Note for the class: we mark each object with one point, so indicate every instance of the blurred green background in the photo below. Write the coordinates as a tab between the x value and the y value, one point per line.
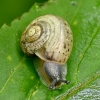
12	9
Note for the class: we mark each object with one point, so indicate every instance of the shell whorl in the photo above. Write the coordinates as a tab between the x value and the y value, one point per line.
33	33
35	36
49	37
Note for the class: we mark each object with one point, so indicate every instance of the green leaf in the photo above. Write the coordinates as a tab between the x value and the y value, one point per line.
11	9
20	81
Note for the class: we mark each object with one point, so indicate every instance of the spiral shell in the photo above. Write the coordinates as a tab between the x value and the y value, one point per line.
49	37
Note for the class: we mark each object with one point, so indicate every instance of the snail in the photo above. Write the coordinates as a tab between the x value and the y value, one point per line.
50	38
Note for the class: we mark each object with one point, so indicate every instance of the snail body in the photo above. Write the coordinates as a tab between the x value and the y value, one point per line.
50	38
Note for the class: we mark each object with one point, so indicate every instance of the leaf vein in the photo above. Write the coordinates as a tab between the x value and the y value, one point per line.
11	75
76	12
84	52
78	86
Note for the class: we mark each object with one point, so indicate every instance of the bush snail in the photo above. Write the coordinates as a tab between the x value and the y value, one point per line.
50	38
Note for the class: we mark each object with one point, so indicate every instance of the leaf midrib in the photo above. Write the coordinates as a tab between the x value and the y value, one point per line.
78	86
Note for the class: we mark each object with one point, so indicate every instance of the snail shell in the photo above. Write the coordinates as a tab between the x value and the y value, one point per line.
50	38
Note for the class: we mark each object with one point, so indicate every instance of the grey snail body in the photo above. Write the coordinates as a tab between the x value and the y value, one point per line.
50	38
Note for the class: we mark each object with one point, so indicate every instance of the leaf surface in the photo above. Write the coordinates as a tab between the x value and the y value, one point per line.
20	81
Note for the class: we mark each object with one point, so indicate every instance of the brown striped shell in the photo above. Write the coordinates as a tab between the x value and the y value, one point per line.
49	37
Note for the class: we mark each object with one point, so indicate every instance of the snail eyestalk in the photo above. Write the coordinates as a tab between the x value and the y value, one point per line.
55	73
52	85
